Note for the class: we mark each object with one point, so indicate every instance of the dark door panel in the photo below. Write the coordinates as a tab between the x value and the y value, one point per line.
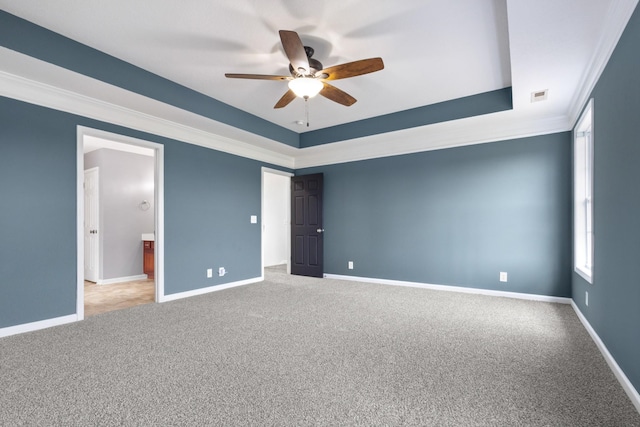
306	225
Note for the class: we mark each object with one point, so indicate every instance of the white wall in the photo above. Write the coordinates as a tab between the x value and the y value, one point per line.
275	218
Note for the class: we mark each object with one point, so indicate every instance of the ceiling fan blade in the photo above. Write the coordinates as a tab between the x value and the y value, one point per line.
256	76
286	99
295	51
337	95
351	69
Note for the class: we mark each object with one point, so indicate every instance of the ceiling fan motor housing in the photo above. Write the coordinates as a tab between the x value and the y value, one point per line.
314	64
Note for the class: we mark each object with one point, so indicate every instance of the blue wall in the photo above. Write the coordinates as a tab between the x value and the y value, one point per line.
614	296
469	106
209	198
455	217
37	214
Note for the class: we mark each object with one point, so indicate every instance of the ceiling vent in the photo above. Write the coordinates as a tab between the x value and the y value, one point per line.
539	95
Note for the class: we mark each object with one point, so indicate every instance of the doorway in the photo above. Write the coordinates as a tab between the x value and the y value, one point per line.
276	222
130	212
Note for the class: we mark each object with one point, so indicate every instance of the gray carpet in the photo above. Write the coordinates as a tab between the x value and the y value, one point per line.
294	351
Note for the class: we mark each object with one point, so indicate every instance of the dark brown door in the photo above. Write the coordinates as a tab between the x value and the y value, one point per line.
306	225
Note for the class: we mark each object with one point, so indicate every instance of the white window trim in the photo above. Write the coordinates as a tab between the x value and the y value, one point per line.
583	233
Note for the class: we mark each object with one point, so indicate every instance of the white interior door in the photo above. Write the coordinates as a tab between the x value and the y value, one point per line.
91	211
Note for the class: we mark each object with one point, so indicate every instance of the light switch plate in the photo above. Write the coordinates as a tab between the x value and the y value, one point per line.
503	276
254	219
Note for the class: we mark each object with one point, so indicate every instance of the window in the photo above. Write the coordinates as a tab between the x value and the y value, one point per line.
583	194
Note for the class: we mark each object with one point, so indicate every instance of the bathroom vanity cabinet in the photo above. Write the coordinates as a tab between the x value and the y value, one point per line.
148	261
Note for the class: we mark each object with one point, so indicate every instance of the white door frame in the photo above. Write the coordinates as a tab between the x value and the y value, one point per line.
276	172
82	131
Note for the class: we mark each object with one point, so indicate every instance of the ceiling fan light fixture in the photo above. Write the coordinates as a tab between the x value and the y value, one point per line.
306	87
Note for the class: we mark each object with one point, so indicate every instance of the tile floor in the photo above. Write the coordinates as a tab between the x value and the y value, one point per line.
103	298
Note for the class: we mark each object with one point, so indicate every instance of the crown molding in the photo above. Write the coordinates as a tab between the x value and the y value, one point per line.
456	133
38	93
613	26
37	82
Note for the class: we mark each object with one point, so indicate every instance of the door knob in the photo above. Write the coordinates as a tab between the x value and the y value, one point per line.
320	230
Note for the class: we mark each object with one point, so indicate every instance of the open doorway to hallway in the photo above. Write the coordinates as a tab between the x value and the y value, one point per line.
276	214
117	262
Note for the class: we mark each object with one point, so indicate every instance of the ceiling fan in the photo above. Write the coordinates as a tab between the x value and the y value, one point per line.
308	76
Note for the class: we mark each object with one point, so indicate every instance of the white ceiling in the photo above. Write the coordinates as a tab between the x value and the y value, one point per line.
91	143
433	50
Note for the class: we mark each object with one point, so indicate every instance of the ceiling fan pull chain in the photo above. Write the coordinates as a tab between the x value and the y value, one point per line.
306	109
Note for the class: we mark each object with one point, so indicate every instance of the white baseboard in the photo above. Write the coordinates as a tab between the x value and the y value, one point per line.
186	294
34	326
277	264
517	295
617	371
121	279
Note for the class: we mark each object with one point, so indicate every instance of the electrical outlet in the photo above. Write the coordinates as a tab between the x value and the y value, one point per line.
350	265
209	273
503	276
586	298
222	271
